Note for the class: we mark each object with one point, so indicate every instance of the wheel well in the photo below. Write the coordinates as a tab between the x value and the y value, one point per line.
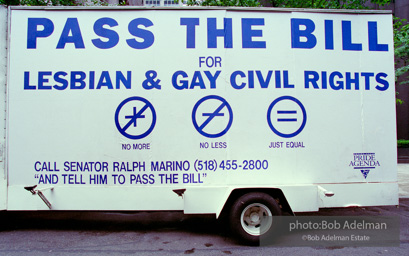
275	193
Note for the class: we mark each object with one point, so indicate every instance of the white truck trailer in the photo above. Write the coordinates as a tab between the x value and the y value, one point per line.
248	112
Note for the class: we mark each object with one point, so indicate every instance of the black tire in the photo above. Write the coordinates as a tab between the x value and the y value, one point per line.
251	216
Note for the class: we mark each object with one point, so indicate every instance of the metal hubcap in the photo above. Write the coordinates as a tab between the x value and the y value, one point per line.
256	219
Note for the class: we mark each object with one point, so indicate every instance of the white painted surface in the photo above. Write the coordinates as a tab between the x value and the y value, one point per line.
49	128
3	81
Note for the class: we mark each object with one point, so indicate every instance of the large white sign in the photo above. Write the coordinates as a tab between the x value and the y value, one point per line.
199	97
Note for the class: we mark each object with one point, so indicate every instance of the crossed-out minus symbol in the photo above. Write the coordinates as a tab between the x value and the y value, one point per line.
212	115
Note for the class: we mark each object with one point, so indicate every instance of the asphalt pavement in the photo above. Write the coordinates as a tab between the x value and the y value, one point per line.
403	180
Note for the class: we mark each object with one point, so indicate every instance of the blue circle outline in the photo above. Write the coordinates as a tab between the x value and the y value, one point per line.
197	126
118	126
270	108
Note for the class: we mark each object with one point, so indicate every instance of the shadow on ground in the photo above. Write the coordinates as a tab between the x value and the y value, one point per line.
155	221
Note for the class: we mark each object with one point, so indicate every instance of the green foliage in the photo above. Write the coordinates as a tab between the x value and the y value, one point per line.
48	2
40	2
242	3
10	2
401	42
403	143
321	4
330	4
56	2
327	4
398	101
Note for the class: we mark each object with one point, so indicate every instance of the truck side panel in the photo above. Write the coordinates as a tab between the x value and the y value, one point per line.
3	81
115	109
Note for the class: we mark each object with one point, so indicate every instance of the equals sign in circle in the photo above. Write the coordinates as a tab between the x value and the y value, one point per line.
286	112
286	116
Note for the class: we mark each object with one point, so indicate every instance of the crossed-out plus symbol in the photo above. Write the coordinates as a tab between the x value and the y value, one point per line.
132	119
219	130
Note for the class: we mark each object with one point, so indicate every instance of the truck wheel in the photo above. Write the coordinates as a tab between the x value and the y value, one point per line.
252	216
